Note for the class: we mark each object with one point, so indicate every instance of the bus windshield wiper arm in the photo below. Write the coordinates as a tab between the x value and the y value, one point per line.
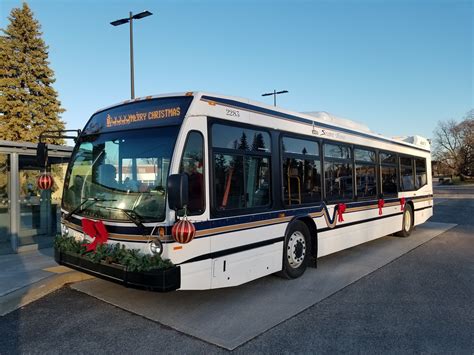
131	214
80	208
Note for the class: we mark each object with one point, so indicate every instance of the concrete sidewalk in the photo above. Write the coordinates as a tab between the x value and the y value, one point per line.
25	277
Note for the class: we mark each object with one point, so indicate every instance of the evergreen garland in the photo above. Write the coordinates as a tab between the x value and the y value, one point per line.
131	259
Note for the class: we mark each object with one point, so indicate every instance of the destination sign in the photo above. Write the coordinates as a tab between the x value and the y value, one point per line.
141	114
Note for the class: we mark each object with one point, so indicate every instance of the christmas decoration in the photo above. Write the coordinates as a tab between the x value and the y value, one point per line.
95	230
341	208
402	203
183	231
45	181
381	204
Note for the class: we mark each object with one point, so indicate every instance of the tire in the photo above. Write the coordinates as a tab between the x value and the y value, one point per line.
407	222
296	250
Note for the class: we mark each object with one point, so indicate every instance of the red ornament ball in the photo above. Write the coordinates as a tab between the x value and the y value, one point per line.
45	182
183	231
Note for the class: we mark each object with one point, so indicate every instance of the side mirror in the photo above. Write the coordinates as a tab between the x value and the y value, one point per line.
42	154
177	191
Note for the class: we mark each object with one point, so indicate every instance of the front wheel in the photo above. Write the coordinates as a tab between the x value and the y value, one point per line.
296	250
407	222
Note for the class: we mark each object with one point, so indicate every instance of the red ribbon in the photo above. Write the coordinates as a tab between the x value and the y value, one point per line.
381	203
341	208
95	230
402	203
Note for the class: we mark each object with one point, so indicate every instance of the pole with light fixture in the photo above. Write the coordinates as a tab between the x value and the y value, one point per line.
275	93
130	20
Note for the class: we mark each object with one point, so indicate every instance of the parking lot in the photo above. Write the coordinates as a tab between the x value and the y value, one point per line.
391	295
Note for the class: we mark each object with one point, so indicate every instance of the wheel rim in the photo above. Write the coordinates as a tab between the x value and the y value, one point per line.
296	249
407	221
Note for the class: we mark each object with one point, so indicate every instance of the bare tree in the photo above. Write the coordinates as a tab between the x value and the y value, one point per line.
454	145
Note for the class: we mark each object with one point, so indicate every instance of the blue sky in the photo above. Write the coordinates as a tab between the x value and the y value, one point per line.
397	66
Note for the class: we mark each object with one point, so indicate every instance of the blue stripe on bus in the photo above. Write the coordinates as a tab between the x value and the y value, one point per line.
245	106
235	220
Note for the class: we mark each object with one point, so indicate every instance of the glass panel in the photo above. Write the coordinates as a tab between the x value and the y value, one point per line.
236	189
337	151
229	182
58	171
301	181
240	138
366	182
364	155
388	158
300	146
5	242
192	164
420	165
257	181
406	162
38	216
406	172
389	180
338	179
127	169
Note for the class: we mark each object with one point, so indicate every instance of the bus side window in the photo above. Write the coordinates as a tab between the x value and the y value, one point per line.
407	174
192	163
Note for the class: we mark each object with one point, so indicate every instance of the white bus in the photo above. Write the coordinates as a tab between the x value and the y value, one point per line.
268	190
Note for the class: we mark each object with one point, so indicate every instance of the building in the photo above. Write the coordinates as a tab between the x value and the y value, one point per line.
29	217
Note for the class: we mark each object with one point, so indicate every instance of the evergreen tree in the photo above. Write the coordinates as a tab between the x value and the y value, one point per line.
29	104
258	143
244	145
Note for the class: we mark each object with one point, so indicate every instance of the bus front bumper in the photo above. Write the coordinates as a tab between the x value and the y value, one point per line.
161	280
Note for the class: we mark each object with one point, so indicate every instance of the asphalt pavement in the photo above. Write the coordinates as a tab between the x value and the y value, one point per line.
420	302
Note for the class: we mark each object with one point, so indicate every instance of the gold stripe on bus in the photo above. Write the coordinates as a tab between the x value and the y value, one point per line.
254	224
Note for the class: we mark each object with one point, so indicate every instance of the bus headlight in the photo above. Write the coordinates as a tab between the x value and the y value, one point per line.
156	247
64	230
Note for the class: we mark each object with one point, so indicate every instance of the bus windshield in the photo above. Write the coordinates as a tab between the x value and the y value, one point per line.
126	170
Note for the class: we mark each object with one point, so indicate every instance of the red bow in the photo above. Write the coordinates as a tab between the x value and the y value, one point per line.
381	203
95	230
402	203
341	208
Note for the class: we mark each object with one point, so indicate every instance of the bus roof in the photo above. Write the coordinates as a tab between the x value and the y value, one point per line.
318	117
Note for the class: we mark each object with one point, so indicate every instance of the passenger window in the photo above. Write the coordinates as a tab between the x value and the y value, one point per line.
301	171
192	164
388	173
241	167
366	181
337	151
389	180
237	138
241	182
406	174
420	166
338	172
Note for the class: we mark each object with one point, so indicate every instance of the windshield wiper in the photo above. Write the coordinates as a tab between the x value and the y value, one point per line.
80	208
131	214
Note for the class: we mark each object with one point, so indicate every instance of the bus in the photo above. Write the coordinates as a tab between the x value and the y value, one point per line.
266	189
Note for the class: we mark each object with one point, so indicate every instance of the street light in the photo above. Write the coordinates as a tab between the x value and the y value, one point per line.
121	22
275	93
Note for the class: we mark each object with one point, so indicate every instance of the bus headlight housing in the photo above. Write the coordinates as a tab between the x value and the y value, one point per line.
156	247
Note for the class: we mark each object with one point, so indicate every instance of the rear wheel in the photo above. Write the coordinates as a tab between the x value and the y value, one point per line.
296	250
407	222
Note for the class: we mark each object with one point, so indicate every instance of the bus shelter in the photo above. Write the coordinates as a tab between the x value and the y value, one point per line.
29	216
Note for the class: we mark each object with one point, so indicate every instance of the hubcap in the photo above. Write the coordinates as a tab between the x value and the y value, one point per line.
407	221
296	249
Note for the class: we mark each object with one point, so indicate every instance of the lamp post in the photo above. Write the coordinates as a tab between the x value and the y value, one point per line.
130	20
275	93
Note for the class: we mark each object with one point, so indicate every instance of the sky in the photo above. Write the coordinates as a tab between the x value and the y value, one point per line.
397	66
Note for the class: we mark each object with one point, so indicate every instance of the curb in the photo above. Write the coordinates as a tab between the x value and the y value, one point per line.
37	290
